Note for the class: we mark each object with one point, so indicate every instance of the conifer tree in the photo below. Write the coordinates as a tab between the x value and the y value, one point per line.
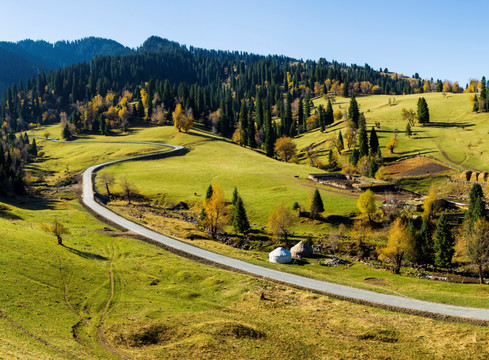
443	243
340	144
329	117
409	131
477	206
209	192
322	117
354	157
251	141
363	141
373	142
353	111
424	243
307	111
235	196
317	205
240	219
423	111
269	132
300	115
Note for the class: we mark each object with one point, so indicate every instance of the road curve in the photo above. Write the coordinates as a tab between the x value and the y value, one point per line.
391	302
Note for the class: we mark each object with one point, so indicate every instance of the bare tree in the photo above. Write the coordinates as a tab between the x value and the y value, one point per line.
107	180
128	189
478	246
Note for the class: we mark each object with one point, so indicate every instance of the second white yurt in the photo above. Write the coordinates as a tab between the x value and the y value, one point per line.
280	256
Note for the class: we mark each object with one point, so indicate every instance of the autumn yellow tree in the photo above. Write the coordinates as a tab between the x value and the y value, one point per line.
285	148
57	229
182	120
366	204
392	144
428	203
399	245
216	213
239	135
145	102
280	222
408	115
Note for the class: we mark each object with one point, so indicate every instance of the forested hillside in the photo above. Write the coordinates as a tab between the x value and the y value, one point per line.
27	57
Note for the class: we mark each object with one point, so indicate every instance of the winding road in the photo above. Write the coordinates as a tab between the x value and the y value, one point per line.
390	302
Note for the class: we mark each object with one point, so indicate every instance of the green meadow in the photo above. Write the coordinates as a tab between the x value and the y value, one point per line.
455	135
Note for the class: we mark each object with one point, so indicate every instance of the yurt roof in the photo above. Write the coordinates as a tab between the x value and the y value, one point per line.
280	251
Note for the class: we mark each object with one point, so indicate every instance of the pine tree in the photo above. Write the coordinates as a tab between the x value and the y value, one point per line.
322	117
443	243
66	133
317	205
353	111
373	142
329	117
341	145
300	115
235	196
209	192
269	132
240	219
423	111
409	131
424	243
307	111
475	107
363	141
477	206
354	157
251	131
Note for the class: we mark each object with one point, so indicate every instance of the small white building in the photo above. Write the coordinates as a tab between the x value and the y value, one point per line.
280	256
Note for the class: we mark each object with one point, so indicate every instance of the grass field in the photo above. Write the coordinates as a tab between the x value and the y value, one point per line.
262	182
455	134
106	296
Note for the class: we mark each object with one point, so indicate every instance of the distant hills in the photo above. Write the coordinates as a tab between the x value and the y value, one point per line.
25	58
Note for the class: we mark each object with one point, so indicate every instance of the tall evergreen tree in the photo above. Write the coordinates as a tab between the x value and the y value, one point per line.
300	115
363	140
443	243
307	111
269	131
423	111
317	205
322	117
353	111
477	206
240	219
424	243
329	113
373	142
354	157
209	192
235	196
251	142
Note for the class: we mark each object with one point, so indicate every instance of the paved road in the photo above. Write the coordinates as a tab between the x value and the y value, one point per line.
391	302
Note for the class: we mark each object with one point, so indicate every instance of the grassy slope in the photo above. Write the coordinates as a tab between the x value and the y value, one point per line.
262	182
200	311
454	128
182	177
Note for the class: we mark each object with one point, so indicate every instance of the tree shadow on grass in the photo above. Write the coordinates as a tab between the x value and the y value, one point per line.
6	214
86	254
27	202
449	125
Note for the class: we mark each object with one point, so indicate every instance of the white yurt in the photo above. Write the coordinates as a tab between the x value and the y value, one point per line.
301	249
280	255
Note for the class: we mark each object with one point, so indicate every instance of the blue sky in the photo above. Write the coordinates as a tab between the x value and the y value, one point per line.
439	39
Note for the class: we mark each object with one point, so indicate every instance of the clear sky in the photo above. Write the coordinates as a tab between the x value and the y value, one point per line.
440	39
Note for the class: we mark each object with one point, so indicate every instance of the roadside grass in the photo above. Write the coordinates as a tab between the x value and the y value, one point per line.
165	306
359	274
453	129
